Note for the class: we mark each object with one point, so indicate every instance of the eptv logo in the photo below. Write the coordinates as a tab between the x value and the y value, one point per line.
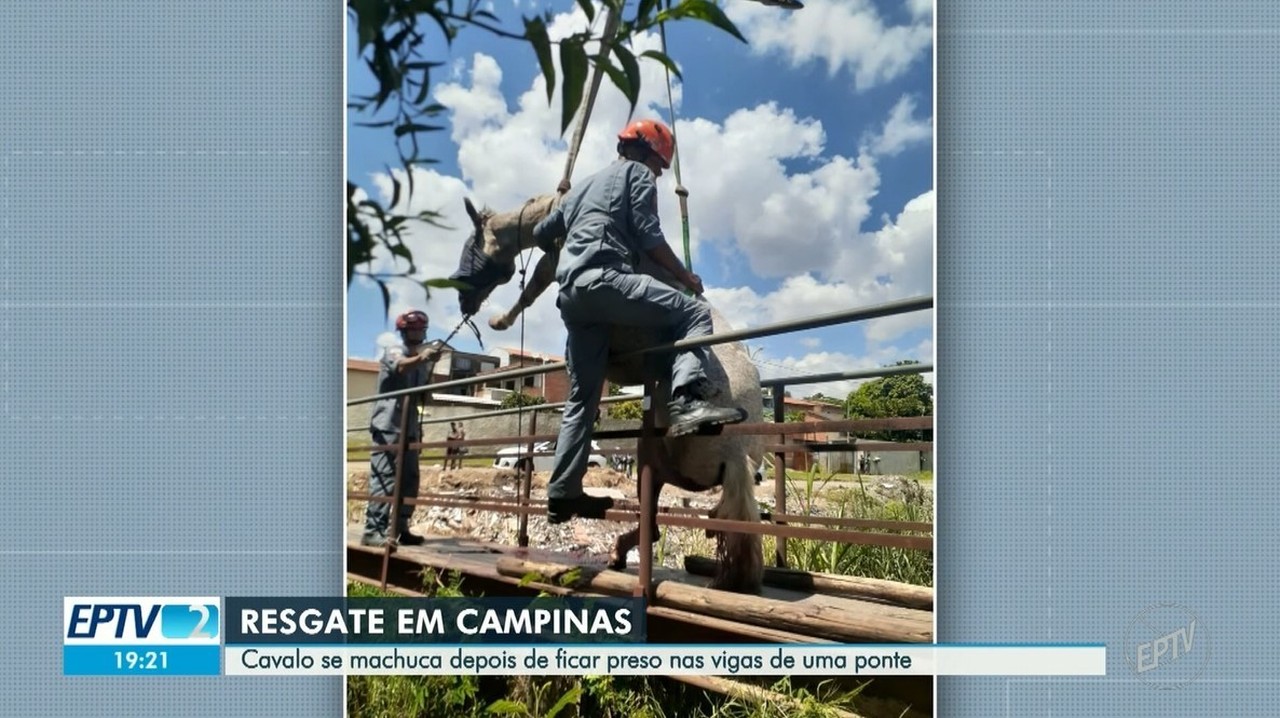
141	621
1170	647
1166	646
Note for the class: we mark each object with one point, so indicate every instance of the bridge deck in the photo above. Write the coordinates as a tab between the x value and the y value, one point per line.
479	560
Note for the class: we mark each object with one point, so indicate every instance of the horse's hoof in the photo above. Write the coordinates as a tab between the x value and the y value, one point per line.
498	324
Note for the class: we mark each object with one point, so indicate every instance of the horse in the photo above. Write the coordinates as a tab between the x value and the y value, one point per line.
694	463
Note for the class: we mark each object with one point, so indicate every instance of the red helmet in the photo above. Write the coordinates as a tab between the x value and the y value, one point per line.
652	134
412	319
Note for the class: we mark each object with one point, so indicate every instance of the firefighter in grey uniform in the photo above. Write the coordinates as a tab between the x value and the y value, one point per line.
607	221
402	367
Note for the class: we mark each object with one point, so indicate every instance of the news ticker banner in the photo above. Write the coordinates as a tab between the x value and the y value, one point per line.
210	636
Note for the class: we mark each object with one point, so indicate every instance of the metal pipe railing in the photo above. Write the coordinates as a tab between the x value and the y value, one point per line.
922	543
512	411
880	310
846	375
901	306
478	379
649	433
429	498
845	425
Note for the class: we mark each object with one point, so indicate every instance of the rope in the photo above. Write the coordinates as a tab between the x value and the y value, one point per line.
681	192
524	270
465	322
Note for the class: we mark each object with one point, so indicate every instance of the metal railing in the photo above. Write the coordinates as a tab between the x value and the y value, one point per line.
781	524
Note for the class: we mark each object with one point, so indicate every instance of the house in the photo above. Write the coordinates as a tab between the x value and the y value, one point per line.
362	380
454	364
552	386
811	411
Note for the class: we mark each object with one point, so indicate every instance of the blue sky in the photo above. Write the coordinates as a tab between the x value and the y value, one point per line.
807	154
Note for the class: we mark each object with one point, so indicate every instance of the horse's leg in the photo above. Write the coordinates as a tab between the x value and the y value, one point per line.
543	275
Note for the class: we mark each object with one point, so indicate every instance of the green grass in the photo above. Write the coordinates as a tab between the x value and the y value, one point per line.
799	476
816	495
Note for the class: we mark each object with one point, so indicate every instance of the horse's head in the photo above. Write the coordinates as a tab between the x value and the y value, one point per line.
481	267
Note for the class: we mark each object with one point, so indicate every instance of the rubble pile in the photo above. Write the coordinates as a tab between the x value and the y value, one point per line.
591	541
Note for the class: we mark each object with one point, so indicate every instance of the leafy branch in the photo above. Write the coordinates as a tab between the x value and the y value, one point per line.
395	39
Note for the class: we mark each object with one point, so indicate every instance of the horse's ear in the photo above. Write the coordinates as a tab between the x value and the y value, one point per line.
473	214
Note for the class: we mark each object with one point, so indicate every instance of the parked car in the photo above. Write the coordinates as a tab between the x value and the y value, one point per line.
513	456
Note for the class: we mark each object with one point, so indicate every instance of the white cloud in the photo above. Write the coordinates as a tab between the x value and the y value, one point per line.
902	129
902	251
387	339
829	362
921	9
842	34
741	193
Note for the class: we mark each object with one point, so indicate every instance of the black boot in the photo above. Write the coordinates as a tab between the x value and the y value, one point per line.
586	506
690	413
410	539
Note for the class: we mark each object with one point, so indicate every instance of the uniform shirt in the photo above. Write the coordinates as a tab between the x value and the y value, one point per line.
386	412
607	220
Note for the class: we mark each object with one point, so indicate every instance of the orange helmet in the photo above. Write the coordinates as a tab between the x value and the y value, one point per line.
412	319
652	134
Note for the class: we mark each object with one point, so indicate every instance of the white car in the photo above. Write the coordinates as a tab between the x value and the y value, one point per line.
513	457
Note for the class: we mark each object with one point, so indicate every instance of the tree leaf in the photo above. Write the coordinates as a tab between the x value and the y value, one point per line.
395	187
370	18
645	10
589	9
536	31
619	79
411	127
573	61
423	89
386	296
571	697
632	68
507	707
660	57
402	251
704	10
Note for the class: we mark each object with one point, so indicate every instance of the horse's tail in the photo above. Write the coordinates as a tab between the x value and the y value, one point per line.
741	556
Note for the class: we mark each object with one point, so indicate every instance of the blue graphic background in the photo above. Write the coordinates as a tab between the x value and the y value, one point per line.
171	360
1107	309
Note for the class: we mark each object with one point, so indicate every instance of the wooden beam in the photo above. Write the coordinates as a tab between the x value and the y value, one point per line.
897	593
835	618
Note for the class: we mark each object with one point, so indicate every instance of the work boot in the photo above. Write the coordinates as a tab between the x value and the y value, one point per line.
688	414
586	506
410	539
377	541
